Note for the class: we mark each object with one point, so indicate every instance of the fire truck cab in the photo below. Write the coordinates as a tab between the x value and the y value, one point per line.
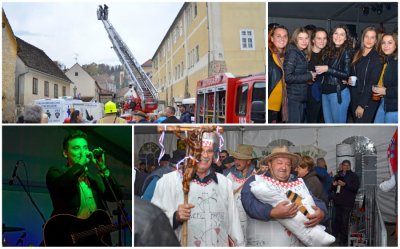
224	98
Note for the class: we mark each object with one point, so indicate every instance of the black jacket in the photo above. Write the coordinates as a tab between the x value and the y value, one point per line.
152	227
390	81
171	120
275	73
347	195
62	183
296	71
338	69
368	70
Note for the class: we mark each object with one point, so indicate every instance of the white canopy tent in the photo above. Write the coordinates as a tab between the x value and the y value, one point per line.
318	137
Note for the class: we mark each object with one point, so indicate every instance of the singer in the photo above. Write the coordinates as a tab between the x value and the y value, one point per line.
73	189
345	186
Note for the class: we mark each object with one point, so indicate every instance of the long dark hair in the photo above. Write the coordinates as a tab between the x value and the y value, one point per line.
381	53
314	33
271	45
360	52
74	116
331	50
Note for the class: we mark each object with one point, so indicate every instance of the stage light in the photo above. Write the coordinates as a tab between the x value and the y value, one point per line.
365	11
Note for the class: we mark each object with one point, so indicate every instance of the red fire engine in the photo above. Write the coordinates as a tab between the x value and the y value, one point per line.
224	98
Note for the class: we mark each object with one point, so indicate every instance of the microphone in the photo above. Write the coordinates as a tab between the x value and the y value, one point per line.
96	153
14	174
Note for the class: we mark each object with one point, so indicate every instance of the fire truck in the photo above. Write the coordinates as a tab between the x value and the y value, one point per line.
146	94
224	98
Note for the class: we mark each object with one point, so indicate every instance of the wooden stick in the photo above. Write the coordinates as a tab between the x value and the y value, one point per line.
183	128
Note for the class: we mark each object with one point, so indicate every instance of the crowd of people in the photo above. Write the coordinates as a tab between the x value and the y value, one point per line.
315	76
112	114
227	202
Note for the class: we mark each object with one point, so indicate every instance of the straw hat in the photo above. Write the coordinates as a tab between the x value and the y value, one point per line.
243	151
283	151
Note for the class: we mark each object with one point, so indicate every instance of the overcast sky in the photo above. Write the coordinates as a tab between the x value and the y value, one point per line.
63	30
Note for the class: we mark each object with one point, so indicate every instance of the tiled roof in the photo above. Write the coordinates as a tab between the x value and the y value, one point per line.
148	63
36	58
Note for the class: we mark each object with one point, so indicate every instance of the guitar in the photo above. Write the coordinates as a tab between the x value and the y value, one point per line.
69	230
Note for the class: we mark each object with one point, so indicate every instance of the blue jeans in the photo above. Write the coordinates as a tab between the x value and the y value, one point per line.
332	110
383	117
380	113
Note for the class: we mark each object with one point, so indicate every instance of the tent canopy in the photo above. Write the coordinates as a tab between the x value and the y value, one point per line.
339	11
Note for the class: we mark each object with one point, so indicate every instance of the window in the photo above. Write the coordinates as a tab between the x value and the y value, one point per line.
46	89
247	39
179	72
64	91
241	105
35	86
258	92
197	53
182	69
195	10
76	73
55	91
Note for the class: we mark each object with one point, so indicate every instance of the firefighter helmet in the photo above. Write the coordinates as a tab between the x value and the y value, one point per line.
110	107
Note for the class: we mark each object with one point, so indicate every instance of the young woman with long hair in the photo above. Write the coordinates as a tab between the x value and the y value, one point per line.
335	69
296	74
367	67
388	109
278	38
319	40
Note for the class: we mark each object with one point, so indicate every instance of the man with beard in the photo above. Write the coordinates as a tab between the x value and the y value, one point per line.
211	212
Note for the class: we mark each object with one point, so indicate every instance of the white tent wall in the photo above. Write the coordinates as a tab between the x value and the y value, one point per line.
324	138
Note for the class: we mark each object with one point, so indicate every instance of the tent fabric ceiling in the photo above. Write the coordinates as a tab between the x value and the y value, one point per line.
339	11
153	129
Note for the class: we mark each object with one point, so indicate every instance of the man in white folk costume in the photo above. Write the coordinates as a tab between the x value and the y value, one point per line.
238	174
211	212
281	210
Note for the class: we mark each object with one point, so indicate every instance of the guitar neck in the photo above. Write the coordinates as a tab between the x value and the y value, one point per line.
98	231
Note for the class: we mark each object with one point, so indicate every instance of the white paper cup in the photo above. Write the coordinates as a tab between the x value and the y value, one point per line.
353	80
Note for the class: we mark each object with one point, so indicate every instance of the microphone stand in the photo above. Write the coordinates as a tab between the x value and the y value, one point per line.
30	198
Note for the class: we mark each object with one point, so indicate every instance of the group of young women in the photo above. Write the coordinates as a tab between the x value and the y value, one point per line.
314	77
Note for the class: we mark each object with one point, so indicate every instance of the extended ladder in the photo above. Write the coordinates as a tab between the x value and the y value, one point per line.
141	82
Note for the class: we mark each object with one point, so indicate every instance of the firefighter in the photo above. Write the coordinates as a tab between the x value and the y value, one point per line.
110	110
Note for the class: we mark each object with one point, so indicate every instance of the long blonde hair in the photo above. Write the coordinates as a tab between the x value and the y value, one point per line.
293	40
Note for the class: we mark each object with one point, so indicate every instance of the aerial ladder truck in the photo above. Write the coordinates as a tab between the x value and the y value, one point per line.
143	86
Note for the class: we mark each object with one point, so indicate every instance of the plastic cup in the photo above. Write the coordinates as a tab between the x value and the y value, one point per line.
353	80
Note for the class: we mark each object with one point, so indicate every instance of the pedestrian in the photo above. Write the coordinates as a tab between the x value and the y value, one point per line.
139	117
278	38
152	227
242	170
319	40
170	114
345	187
211	213
367	66
296	74
387	87
265	223
185	115
110	110
335	69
